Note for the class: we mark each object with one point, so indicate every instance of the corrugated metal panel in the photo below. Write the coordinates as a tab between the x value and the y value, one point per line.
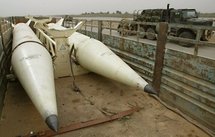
6	33
90	34
1	49
5	49
2	75
1	58
188	82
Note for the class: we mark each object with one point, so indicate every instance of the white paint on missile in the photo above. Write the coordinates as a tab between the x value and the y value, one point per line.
33	67
96	57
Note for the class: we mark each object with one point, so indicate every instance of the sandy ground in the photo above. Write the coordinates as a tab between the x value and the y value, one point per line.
97	93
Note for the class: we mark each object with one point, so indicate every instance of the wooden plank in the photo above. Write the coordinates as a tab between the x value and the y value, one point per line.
160	52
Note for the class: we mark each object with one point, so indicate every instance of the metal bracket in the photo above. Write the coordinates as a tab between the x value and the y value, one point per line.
85	124
42	24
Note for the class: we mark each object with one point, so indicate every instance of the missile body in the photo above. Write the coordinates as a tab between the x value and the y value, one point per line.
33	67
96	57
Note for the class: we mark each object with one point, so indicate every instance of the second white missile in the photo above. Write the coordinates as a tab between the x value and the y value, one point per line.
96	57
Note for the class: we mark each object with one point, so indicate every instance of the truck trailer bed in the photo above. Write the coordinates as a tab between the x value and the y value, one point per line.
97	98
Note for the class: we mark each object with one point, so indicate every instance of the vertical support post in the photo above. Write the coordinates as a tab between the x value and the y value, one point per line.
2	37
1	42
138	31
91	24
62	62
160	52
110	27
100	30
196	49
85	27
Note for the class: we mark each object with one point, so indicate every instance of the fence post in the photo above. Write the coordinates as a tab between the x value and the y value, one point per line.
198	37
100	30
85	27
110	27
160	52
138	31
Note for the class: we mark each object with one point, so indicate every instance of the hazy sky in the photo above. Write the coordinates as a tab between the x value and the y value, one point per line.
54	7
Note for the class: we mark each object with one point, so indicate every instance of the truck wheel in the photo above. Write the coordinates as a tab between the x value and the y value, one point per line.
188	35
207	34
122	30
123	27
150	34
142	32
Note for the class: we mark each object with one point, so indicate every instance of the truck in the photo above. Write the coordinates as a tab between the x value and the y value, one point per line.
184	106
170	15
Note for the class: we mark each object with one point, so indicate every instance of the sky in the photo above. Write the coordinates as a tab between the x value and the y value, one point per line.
59	7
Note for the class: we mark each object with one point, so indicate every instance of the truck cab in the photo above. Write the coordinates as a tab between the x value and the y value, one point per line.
182	15
188	17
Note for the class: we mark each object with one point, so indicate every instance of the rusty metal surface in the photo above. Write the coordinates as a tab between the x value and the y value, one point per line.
1	48
199	67
90	34
188	83
6	34
5	48
80	125
2	73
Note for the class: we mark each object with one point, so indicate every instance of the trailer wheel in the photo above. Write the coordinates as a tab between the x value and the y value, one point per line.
142	32
207	34
123	27
188	35
150	34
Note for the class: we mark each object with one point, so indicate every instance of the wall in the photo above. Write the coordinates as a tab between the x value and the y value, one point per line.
188	83
5	51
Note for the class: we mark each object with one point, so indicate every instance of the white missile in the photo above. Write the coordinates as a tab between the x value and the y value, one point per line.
33	67
96	57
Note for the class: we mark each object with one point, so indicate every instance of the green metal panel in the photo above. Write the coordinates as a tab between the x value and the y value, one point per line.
90	34
188	83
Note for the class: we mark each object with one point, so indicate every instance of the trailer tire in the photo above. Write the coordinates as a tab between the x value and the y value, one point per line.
207	34
123	27
142	32
188	35
150	34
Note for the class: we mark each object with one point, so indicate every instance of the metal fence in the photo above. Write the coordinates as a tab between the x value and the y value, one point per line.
111	27
5	51
185	81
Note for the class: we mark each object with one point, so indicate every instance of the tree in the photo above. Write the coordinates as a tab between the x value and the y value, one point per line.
118	12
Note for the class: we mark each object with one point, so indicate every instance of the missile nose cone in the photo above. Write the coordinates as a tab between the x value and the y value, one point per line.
52	122
149	89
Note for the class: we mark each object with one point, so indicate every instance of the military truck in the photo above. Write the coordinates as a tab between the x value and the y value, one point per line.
170	15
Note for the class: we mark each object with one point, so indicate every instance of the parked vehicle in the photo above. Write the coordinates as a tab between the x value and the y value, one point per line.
170	15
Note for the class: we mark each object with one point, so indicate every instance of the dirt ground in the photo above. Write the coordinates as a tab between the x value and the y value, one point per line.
97	93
